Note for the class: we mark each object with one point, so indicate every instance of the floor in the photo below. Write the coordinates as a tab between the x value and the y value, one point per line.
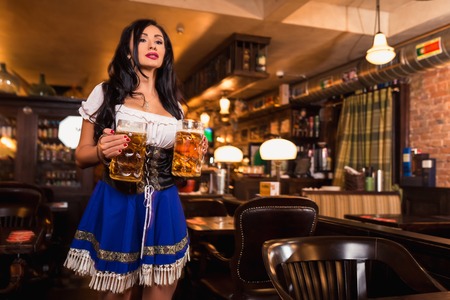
65	285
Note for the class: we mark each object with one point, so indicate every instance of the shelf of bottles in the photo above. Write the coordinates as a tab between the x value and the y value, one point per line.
306	133
8	148
56	164
239	55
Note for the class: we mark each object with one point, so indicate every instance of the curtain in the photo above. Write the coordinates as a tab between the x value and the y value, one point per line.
364	135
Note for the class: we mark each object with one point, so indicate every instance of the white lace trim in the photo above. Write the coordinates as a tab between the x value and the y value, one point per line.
81	262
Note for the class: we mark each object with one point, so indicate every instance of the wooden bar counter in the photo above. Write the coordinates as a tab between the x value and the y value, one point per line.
433	253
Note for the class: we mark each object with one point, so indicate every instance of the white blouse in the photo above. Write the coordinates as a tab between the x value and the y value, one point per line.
160	129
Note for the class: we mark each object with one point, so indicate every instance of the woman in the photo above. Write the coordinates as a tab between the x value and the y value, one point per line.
112	244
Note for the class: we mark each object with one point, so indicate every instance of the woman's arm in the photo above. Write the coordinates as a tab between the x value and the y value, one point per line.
89	153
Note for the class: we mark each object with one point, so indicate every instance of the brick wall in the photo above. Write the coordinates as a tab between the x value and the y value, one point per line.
430	118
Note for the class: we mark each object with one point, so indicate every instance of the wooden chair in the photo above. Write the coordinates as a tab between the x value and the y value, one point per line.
343	267
23	209
256	221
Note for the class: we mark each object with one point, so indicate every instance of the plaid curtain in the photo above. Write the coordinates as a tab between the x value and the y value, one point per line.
364	136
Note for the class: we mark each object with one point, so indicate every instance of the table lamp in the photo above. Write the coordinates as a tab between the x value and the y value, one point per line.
277	150
228	155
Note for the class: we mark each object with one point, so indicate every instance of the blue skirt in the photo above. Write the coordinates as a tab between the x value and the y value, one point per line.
121	241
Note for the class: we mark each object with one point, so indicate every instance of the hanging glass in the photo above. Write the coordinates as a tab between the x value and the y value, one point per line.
9	83
42	88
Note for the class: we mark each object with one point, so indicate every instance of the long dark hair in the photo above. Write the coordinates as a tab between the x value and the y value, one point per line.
123	79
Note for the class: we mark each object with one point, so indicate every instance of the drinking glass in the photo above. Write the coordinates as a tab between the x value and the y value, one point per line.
129	165
188	154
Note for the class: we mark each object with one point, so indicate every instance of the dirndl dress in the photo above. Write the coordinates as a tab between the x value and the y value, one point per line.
132	233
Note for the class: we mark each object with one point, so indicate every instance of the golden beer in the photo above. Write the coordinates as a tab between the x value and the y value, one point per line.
188	154
129	165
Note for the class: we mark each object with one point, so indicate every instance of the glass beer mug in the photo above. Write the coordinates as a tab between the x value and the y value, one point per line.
129	165
188	154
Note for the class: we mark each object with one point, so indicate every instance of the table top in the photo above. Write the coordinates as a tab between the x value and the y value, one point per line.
405	222
8	246
426	296
211	224
399	220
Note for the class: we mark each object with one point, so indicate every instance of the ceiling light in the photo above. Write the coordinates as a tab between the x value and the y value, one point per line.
204	118
380	53
224	103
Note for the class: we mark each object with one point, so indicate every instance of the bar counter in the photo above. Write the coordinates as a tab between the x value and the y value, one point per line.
340	203
432	252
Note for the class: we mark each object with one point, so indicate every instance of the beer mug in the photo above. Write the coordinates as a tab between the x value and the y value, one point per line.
187	151
129	165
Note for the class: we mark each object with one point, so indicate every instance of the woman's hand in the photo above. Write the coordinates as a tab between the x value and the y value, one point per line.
110	145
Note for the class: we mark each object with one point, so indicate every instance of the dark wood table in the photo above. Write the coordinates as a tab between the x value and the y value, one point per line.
217	231
211	225
426	296
433	225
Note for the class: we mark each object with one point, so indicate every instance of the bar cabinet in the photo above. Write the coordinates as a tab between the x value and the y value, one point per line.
31	152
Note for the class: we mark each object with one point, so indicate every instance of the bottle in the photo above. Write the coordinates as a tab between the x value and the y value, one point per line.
370	180
8	82
379	181
261	61
407	162
246	60
316	126
42	88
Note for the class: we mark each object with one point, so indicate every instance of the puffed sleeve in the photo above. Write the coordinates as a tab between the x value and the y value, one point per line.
90	106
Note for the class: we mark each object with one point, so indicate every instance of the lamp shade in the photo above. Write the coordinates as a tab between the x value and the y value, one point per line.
278	149
228	154
380	53
204	118
224	106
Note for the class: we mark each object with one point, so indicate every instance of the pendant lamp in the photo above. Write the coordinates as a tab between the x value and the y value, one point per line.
224	103
380	53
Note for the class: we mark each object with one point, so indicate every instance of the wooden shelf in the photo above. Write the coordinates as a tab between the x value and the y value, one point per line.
227	69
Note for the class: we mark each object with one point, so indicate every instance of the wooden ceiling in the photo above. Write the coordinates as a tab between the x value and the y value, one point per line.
72	41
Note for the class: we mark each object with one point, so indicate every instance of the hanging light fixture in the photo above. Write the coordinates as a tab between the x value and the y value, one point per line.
380	53
224	103
204	118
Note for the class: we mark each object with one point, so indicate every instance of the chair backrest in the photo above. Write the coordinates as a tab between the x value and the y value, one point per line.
204	208
19	204
344	267
262	219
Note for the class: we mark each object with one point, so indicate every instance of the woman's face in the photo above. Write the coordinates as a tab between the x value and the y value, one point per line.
151	48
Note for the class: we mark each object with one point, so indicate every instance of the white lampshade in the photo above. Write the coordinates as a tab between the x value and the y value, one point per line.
204	118
278	149
224	105
380	53
228	154
70	130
